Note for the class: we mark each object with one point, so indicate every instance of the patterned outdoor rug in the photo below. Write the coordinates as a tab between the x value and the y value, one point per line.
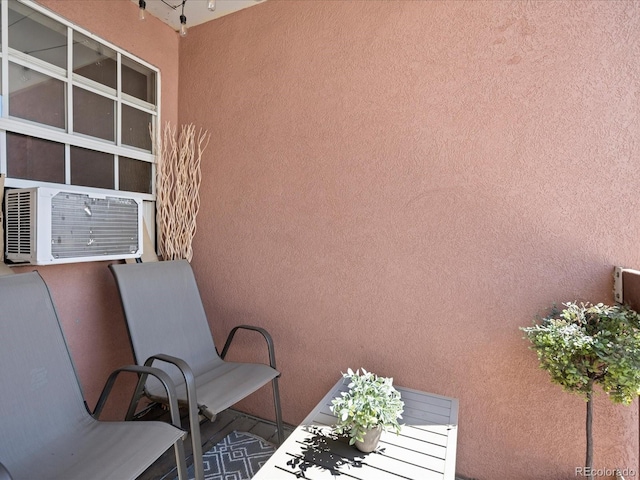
238	456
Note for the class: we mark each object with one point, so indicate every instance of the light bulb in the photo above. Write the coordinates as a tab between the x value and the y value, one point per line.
211	5
183	26
141	11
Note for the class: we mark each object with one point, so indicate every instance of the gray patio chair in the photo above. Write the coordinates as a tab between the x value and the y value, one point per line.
168	328
47	430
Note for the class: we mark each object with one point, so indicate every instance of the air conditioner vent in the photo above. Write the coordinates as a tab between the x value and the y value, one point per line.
84	226
19	222
46	225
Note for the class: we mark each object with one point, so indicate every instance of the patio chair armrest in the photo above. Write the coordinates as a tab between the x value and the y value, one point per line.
193	408
263	332
4	473
185	370
142	372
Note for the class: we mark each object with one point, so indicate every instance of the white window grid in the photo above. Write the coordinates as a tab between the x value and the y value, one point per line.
67	136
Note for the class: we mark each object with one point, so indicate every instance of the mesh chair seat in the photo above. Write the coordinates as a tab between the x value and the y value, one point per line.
97	450
220	387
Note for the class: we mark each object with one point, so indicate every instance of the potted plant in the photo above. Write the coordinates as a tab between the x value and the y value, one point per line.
370	406
583	345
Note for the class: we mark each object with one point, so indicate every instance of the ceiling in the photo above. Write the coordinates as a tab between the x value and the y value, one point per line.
196	11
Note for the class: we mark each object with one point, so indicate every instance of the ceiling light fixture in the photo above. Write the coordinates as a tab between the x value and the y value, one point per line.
141	11
211	5
183	21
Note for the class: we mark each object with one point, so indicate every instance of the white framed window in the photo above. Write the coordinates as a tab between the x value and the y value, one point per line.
76	110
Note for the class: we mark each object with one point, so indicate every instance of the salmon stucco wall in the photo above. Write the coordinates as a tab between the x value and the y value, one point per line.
85	294
401	185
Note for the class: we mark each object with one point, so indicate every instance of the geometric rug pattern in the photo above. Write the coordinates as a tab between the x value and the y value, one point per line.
238	456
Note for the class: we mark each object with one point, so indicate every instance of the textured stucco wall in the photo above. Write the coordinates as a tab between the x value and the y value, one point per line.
400	185
85	294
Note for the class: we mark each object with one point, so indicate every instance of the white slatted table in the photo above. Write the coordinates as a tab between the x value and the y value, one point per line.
425	448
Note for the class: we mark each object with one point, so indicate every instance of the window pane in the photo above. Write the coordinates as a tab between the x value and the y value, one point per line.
138	80
91	168
92	94
34	159
134	175
135	127
37	35
93	114
94	61
36	97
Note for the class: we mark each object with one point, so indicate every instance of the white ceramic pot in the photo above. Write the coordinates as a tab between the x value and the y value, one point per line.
369	440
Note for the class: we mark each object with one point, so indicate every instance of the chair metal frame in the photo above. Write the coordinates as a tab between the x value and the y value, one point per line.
194	409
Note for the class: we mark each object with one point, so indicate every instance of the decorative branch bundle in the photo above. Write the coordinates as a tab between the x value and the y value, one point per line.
178	179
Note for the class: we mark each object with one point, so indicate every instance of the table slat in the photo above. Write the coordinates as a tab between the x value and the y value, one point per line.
424	449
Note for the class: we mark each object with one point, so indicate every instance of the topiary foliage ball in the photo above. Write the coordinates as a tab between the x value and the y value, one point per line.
584	344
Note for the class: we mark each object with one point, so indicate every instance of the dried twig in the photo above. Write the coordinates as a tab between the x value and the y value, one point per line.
178	180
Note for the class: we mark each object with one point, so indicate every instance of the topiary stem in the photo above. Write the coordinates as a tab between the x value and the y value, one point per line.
589	460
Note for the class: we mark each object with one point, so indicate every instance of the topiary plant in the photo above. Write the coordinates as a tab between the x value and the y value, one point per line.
586	344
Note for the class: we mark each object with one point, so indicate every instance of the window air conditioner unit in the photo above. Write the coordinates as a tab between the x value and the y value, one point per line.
46	226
